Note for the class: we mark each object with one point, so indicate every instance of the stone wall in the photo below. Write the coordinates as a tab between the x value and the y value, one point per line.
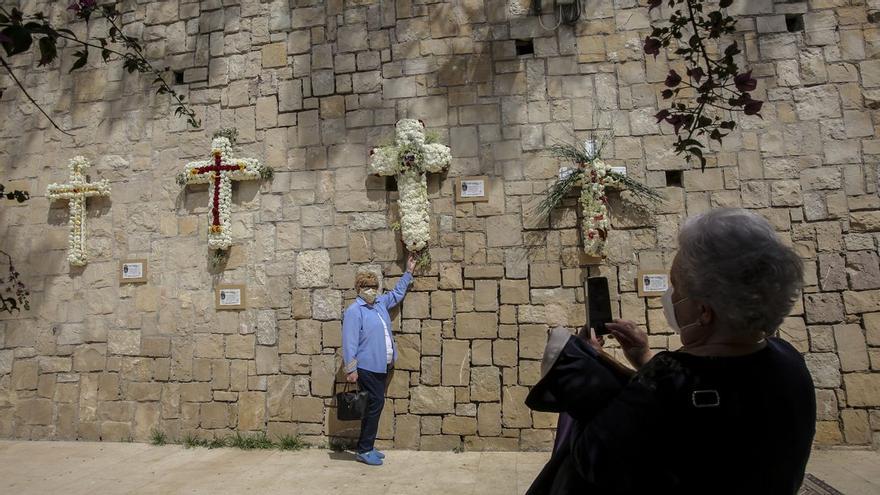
311	86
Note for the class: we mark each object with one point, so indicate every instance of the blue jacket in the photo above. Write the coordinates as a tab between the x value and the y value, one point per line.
363	336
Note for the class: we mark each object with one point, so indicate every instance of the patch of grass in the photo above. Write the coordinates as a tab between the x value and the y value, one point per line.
190	441
218	443
250	442
158	437
458	450
287	442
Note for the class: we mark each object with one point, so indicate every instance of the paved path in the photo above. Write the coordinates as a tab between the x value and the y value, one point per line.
85	468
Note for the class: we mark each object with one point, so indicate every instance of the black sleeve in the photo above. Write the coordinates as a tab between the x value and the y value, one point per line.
578	383
626	438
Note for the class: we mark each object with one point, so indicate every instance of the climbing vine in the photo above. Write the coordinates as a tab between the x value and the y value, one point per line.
703	100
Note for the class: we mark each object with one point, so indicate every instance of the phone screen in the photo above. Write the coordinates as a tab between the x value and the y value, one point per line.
599	301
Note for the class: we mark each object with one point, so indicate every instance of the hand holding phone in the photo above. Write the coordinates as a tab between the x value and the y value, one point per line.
599	301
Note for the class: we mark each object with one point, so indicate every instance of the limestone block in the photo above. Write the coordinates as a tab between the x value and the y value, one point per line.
532	340
456	362
481	352
450	276
514	292
308	337
125	342
34	411
415	305
794	331
266	360
409	352
824	368
406	432
274	55
536	440
208	346
195	392
143	391
823	308
863	301
476	325
486	295
214	415
863	270
485	384
294	364
432	400
865	221
872	328
504	231
862	390
515	414
441	305
545	275
308	409
324	369
826	405
832	274
251	411
24	374
851	347
856	429
440	443
457	425
240	346
327	304
313	268
6	359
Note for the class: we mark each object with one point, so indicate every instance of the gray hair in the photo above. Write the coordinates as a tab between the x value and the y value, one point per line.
732	260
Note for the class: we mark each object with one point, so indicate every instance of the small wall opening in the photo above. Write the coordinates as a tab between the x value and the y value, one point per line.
178	77
525	47
673	178
794	23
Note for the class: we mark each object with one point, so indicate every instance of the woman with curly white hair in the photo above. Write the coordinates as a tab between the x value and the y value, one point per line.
731	412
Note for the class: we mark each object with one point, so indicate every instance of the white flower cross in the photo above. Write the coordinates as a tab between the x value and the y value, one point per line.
409	159
76	192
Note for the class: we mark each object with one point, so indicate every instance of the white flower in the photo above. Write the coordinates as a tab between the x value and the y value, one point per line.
414	219
410	132
383	161
436	157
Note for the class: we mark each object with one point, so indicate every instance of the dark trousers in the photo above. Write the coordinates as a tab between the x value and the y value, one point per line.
374	385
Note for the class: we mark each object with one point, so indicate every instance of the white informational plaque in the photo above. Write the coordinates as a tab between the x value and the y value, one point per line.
133	271
652	284
230	297
472	189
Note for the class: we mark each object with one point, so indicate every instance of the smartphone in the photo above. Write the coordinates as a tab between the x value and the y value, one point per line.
599	301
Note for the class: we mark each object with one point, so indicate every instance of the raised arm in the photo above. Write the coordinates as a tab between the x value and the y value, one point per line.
351	329
393	297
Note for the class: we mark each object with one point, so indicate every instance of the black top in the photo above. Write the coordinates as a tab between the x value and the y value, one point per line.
684	424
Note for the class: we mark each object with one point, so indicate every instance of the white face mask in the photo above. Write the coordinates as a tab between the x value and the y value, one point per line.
369	295
669	312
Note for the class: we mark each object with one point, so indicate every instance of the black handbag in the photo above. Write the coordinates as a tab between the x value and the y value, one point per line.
350	404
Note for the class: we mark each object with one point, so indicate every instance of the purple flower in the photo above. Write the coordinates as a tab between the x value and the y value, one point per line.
745	82
83	8
673	79
661	115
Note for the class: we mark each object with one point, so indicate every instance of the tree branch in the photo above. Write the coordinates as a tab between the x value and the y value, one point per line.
29	97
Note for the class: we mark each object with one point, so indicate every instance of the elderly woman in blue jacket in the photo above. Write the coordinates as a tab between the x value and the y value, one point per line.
369	351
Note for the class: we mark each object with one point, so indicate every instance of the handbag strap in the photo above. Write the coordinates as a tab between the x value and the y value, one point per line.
345	387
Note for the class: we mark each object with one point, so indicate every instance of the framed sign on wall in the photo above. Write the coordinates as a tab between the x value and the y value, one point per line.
652	283
229	296
472	189
132	271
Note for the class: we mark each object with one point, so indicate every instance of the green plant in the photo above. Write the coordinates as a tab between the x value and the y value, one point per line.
250	442
19	33
190	441
289	442
218	443
158	437
720	88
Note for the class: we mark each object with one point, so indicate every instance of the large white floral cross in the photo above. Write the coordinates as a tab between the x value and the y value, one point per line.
412	155
76	192
219	172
